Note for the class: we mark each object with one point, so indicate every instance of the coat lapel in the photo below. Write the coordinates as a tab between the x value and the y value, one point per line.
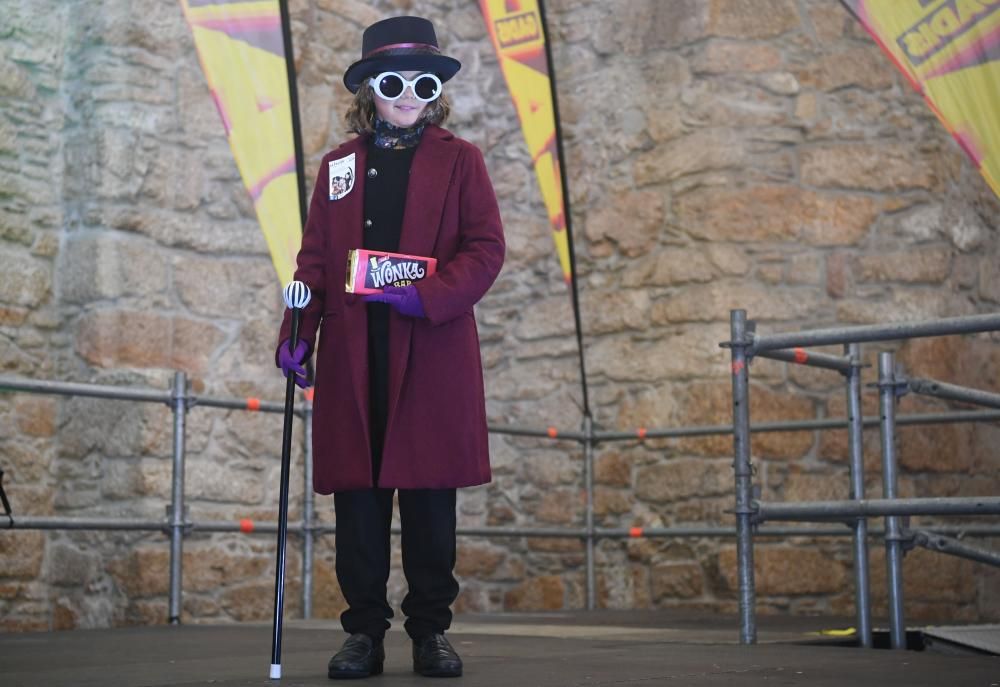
430	176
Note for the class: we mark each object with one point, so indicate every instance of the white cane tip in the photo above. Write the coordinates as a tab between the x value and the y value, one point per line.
297	295
275	671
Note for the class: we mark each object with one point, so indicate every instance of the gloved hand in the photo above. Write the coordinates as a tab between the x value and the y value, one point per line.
291	362
405	299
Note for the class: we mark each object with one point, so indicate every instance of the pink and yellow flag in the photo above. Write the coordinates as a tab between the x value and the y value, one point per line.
242	54
515	26
950	52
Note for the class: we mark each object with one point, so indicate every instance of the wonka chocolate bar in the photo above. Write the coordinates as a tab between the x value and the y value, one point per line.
370	271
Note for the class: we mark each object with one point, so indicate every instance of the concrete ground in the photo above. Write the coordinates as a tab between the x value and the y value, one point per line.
601	648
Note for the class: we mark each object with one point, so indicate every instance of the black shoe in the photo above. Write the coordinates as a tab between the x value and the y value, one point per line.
433	656
360	656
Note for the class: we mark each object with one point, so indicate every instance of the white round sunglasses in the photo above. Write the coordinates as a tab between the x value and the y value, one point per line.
392	85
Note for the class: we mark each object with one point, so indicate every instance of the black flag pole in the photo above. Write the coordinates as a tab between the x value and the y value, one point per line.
293	100
567	216
293	103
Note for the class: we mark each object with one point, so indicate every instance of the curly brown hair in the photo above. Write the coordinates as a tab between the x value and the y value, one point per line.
360	115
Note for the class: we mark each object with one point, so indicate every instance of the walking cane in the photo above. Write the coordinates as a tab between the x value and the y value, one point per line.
297	296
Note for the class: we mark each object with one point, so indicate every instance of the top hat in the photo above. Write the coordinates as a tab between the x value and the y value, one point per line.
402	44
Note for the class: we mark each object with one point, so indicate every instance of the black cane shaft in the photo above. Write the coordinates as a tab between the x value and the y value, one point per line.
286	459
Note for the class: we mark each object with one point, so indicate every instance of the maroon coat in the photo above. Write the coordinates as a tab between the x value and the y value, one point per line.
436	433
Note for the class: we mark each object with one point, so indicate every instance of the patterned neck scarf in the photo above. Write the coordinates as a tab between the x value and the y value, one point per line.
390	136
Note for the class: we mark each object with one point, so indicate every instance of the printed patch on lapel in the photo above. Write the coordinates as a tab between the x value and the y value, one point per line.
341	177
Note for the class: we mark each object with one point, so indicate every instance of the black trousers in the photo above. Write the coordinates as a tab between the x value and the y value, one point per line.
364	516
428	527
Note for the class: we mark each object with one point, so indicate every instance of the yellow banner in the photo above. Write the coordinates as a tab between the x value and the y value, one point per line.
242	54
515	26
950	51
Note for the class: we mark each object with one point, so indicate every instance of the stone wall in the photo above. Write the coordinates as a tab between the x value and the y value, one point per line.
721	153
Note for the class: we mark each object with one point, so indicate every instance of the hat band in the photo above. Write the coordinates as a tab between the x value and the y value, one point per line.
423	47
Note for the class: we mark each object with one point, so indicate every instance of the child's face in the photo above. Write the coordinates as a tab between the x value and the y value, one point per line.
405	110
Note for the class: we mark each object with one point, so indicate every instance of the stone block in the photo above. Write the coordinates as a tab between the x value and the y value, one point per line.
207	569
683	354
21	554
935	448
828	21
725	56
786	571
143	572
255	601
546	318
712	302
544	593
111	338
711	404
671	267
683	478
928	577
632	220
618	311
36	415
478	561
559	507
865	67
916	265
613	469
69	566
23	463
555	545
902	305
27	281
731	105
775	213
611	502
752	18
703	150
638	28
677	581
869	166
227	288
800	486
328	600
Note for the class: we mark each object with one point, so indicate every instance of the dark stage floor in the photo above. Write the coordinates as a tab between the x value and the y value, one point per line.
602	648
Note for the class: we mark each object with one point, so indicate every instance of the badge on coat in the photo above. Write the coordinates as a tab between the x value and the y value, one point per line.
341	177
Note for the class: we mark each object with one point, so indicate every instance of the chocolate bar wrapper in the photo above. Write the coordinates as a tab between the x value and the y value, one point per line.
370	271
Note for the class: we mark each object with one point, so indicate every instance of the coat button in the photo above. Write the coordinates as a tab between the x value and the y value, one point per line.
372	173
368	224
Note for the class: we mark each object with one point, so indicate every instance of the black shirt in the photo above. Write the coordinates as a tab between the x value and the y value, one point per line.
386	181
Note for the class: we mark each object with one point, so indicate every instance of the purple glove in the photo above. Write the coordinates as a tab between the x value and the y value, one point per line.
405	299
292	362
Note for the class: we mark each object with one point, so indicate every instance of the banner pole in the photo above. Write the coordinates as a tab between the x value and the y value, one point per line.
574	292
293	102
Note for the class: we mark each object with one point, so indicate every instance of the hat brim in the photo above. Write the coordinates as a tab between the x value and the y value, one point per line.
445	67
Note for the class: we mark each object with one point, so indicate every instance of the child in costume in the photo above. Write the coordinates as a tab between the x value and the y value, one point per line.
399	402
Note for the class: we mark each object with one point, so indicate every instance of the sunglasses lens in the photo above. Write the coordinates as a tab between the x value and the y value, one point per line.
425	88
390	86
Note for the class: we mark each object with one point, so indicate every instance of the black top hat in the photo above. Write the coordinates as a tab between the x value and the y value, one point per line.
401	43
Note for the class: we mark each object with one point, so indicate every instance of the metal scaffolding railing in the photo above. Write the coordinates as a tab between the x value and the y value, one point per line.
744	344
177	525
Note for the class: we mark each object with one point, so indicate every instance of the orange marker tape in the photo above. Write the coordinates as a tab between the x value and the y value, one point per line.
737	367
253	404
801	356
246	526
309	393
635	532
553	433
641	433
